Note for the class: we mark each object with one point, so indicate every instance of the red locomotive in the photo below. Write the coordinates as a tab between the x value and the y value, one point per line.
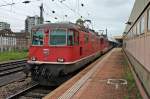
61	48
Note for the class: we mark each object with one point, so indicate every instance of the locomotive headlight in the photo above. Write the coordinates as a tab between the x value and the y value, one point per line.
33	58
60	60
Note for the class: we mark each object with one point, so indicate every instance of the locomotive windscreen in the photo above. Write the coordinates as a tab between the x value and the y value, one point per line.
58	37
37	37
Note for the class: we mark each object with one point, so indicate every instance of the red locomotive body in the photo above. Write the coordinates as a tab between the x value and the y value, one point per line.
61	48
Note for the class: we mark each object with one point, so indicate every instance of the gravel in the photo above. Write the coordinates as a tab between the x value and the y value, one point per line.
12	88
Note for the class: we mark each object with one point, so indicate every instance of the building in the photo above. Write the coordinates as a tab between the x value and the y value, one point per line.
7	40
136	39
10	41
34	20
30	22
4	25
21	41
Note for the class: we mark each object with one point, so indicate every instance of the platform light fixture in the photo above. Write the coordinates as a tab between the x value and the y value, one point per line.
128	23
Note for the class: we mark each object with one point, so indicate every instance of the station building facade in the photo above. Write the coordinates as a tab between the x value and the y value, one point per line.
10	41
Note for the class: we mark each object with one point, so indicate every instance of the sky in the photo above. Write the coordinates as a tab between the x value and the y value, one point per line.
110	14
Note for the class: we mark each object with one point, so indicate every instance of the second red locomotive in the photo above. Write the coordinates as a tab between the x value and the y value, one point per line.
61	48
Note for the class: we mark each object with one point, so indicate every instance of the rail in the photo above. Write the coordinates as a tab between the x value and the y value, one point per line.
16	95
9	71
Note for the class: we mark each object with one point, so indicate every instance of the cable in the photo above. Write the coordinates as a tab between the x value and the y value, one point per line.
61	8
53	12
7	4
71	9
13	3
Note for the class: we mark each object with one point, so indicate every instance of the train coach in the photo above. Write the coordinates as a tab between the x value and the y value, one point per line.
136	41
61	48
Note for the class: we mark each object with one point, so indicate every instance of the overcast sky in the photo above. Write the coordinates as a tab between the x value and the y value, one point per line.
104	13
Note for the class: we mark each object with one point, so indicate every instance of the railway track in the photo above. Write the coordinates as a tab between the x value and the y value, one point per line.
11	71
34	91
11	67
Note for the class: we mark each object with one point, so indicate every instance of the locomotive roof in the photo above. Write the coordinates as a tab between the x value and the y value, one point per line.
59	25
67	25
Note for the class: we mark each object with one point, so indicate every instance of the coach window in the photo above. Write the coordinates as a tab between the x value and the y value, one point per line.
37	38
134	31
148	20
142	25
130	34
138	28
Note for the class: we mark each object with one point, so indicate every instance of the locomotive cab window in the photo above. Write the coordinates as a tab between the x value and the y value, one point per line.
58	37
37	37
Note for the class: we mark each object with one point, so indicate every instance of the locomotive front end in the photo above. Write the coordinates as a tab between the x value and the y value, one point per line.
51	51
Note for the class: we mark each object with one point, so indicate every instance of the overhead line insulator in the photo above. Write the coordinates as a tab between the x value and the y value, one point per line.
26	2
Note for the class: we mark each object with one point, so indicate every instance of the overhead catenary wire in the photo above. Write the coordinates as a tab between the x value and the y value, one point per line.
14	3
59	5
20	12
73	10
52	13
16	12
27	1
15	16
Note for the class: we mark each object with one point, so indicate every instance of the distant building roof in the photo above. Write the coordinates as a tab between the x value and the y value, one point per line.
5	31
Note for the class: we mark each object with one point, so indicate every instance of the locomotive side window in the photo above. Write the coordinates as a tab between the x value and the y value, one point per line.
76	38
37	38
73	38
70	38
58	37
86	38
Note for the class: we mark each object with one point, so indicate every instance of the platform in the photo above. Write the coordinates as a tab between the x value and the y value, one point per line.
104	81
